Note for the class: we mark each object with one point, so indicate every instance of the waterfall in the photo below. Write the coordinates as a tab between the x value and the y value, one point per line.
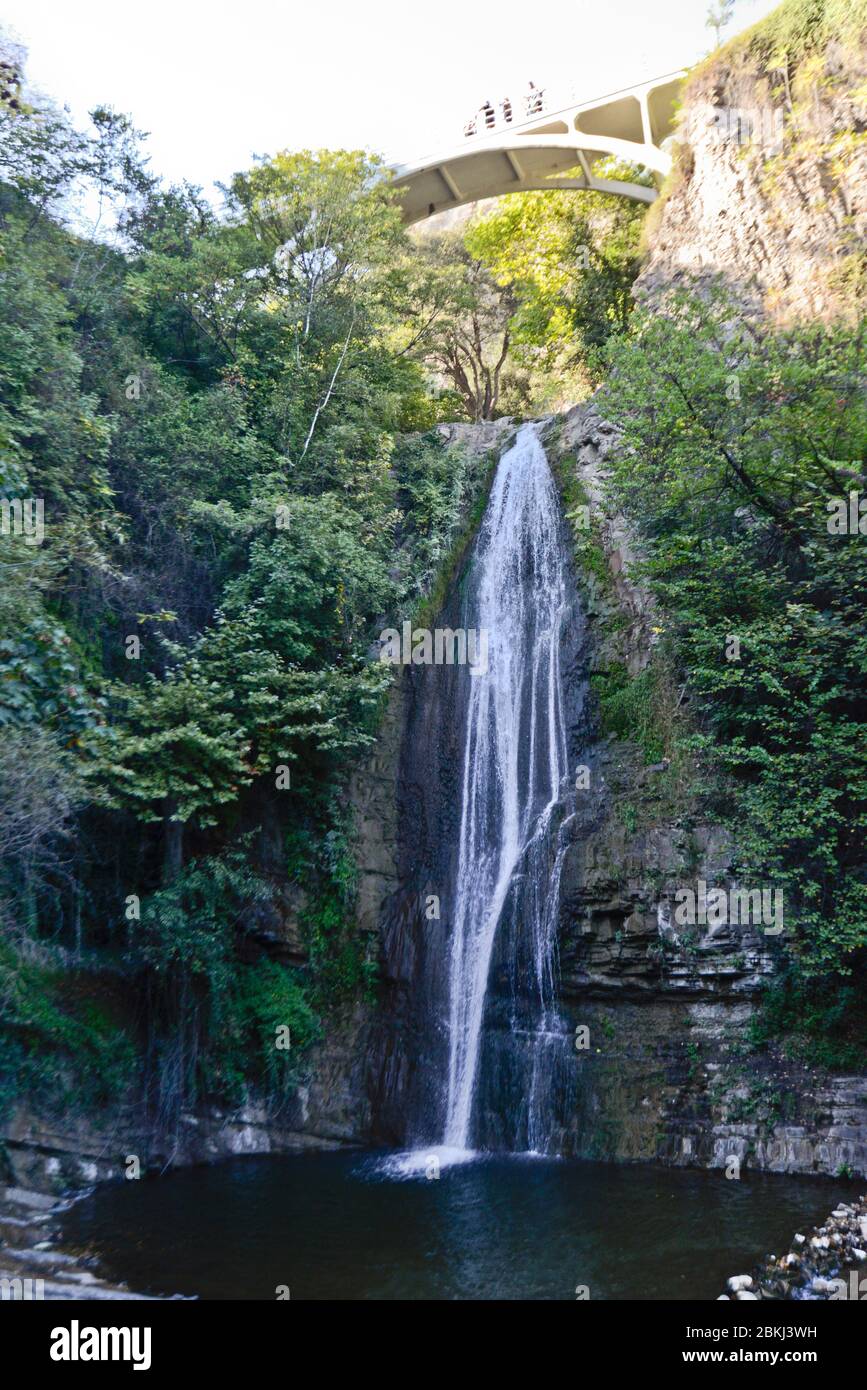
514	766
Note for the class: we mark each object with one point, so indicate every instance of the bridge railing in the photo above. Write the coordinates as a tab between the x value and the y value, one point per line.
526	109
557	100
521	119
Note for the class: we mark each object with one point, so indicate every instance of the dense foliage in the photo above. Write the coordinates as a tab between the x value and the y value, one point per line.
800	28
512	312
568	262
221	421
742	458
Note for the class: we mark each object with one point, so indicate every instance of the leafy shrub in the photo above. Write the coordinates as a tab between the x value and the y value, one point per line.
263	998
629	707
217	1016
58	1042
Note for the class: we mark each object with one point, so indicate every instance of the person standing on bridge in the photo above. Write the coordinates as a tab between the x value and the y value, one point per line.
506	108
487	111
470	127
534	99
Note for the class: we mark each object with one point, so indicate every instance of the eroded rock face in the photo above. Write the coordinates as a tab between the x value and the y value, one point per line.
665	1069
408	1052
669	1073
585	442
770	185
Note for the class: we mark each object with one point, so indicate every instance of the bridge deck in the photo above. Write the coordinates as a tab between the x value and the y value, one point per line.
550	149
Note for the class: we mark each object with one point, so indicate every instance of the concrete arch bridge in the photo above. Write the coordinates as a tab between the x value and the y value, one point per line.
549	149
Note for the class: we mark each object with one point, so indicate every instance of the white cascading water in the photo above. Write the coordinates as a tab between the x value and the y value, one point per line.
515	755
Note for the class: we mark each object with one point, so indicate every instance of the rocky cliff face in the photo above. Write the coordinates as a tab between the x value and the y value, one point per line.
331	1106
769	189
354	1091
769	193
663	1068
666	1070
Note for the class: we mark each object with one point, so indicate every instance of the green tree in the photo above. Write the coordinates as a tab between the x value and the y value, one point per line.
458	322
719	16
569	261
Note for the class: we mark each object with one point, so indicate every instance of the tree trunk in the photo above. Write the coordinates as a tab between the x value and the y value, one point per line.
173	841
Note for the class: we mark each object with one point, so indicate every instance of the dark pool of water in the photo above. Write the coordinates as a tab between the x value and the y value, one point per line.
329	1226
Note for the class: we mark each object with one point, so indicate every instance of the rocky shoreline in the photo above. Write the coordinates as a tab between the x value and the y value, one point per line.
32	1265
828	1264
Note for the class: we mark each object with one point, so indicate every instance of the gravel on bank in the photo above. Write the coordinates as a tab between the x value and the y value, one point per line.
830	1262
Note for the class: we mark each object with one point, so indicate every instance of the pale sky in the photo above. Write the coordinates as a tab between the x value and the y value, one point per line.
215	84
